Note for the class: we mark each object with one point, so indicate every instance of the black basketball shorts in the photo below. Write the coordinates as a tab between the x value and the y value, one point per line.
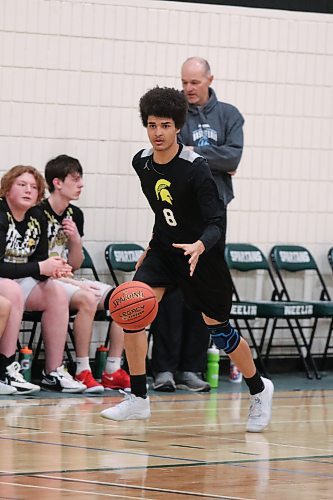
209	290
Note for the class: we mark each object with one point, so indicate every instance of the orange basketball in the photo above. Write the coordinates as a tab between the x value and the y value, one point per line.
133	305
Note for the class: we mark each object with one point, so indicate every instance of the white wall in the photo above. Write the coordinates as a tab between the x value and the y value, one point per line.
72	72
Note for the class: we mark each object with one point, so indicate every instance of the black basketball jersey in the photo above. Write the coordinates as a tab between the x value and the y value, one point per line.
58	241
184	197
22	243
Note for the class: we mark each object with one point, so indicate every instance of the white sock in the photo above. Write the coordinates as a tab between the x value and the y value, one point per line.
112	364
82	364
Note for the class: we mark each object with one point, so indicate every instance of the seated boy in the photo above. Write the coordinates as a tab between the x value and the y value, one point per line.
63	175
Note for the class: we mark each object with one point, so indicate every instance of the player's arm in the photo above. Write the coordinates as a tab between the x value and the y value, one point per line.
73	229
10	269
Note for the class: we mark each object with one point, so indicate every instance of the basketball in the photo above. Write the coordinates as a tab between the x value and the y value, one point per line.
133	305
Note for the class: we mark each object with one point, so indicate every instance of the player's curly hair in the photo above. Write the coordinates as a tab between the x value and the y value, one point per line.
9	178
164	102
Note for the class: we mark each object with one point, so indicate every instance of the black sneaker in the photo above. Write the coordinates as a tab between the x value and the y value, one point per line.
61	381
6	387
17	380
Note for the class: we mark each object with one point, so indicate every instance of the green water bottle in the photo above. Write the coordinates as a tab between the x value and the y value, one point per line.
100	360
213	366
25	360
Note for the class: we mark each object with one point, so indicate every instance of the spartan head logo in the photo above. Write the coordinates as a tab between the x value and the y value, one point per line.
162	192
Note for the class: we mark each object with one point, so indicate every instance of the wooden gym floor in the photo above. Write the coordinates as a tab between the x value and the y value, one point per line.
193	447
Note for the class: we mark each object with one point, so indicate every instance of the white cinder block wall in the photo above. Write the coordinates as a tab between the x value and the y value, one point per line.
72	72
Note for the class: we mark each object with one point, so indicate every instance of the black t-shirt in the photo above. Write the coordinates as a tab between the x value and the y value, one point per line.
184	197
22	243
58	241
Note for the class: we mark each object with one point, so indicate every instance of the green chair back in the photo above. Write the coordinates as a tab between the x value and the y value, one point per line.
122	257
245	257
293	258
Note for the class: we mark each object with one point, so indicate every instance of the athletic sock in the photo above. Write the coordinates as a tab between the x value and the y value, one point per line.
139	385
82	364
112	364
255	384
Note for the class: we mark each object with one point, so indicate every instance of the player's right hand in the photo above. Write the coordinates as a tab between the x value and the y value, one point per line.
55	267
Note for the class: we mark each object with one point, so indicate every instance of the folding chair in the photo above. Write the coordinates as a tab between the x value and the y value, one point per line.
33	317
292	259
327	345
122	257
245	260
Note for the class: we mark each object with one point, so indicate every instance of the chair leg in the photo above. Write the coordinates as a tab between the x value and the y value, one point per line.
298	347
39	347
308	348
313	331
107	337
270	340
327	346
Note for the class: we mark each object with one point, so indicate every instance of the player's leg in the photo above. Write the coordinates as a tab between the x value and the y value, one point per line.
50	298
5	308
84	302
12	306
211	292
135	405
113	376
227	338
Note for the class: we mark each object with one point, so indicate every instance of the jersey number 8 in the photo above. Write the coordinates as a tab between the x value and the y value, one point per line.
169	217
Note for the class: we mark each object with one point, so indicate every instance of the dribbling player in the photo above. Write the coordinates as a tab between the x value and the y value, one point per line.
186	251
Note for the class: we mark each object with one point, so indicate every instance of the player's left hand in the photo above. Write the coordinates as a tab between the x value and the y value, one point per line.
192	249
70	230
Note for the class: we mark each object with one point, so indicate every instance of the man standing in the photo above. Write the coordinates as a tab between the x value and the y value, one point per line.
213	129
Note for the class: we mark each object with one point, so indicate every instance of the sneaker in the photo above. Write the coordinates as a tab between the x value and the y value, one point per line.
235	375
260	408
61	381
86	378
131	408
164	382
6	388
191	381
17	380
116	380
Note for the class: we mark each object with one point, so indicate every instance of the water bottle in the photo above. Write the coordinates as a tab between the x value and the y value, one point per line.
213	366
100	361
25	360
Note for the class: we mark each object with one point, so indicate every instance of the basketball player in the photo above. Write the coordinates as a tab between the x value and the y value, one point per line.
186	251
63	175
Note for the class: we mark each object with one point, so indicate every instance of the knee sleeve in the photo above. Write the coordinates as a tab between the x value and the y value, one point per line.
225	337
